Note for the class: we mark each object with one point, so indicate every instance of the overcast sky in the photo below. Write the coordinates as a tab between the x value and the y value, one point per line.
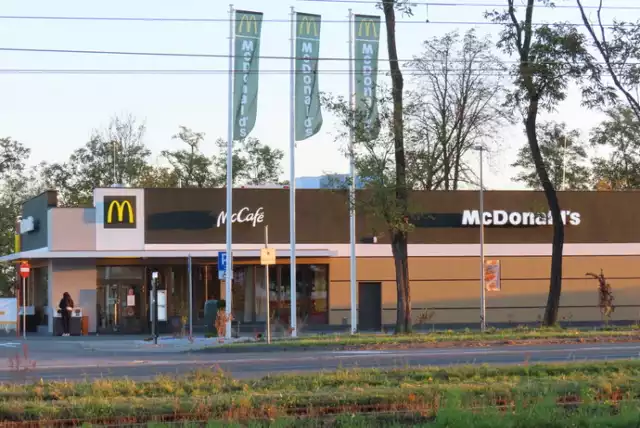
54	114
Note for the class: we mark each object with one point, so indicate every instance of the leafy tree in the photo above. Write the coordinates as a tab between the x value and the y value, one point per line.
399	225
618	48
253	163
620	134
456	106
16	185
564	156
190	166
549	58
115	155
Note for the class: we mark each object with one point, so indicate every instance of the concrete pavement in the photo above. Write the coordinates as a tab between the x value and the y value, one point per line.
74	360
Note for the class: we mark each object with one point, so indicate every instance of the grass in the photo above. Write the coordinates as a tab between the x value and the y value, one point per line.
436	338
425	396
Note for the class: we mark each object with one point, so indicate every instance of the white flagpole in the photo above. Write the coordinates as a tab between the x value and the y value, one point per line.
190	268
229	273
352	193
292	180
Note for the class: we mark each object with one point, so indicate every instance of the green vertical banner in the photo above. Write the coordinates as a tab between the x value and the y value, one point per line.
367	43
308	114
246	72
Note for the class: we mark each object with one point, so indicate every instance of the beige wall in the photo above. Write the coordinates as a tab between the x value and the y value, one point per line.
72	229
450	288
79	279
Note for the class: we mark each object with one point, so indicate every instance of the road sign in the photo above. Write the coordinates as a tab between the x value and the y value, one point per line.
25	269
222	264
267	256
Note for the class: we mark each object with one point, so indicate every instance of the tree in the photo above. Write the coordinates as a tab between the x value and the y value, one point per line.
190	166
564	156
17	184
115	155
549	57
399	226
620	134
253	162
621	58
457	105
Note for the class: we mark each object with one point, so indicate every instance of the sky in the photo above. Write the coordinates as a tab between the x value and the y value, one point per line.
54	114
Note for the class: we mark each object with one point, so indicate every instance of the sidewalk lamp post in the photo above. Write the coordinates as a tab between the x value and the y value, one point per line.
483	307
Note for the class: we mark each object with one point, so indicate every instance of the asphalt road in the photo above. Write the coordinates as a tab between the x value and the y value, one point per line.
77	364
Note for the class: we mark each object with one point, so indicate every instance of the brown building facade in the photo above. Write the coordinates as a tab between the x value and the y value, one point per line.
106	253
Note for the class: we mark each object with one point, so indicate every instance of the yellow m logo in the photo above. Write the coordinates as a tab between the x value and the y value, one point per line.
248	20
119	208
370	28
306	23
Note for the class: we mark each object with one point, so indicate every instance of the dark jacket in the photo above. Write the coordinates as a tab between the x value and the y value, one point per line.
66	302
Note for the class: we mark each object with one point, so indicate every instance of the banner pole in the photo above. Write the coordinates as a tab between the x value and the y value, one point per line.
190	296
228	222
352	189
292	181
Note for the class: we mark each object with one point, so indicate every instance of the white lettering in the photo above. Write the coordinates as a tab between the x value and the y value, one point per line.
307	88
243	216
247	56
367	79
516	218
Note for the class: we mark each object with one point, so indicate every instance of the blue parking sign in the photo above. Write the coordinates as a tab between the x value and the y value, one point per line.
222	264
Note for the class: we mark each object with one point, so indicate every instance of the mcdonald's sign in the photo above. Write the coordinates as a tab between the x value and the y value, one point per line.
368	27
247	23
306	23
119	212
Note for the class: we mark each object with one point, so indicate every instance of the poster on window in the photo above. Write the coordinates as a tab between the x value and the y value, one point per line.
492	275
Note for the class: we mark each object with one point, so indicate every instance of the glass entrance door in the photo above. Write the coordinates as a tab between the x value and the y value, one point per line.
119	308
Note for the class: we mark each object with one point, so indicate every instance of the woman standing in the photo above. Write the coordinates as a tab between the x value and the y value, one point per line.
66	306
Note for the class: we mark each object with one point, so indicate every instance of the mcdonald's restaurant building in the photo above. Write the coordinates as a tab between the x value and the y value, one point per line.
104	255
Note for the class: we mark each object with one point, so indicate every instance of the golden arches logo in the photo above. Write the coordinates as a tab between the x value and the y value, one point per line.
307	23
119	208
369	26
248	20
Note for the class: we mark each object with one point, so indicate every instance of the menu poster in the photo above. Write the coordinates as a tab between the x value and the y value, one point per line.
492	275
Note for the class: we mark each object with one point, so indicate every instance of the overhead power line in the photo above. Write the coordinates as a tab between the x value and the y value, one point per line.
279	57
487	72
466	4
222	20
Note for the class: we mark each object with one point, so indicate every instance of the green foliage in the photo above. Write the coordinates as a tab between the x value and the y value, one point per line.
564	154
620	134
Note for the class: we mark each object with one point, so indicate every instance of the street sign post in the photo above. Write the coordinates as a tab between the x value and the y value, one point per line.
222	264
25	270
267	258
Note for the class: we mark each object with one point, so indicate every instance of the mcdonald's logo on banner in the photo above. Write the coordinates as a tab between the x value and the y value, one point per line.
368	27
248	20
119	212
307	23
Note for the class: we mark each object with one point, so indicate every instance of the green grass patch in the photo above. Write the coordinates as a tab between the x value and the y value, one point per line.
433	394
447	336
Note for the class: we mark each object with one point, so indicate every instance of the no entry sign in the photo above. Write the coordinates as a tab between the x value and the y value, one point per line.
25	269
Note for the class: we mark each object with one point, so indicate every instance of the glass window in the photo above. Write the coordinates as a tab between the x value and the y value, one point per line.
106	273
311	292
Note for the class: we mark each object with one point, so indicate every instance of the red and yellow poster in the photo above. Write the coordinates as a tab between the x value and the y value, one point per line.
492	275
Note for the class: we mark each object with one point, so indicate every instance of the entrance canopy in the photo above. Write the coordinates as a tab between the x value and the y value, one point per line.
45	253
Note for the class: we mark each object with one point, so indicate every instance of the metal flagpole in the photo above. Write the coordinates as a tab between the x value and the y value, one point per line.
190	269
352	194
229	273
483	302
292	180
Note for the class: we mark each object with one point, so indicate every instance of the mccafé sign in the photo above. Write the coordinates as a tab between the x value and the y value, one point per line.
244	215
516	218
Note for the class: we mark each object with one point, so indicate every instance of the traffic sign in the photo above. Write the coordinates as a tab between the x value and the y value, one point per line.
25	269
222	264
267	256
